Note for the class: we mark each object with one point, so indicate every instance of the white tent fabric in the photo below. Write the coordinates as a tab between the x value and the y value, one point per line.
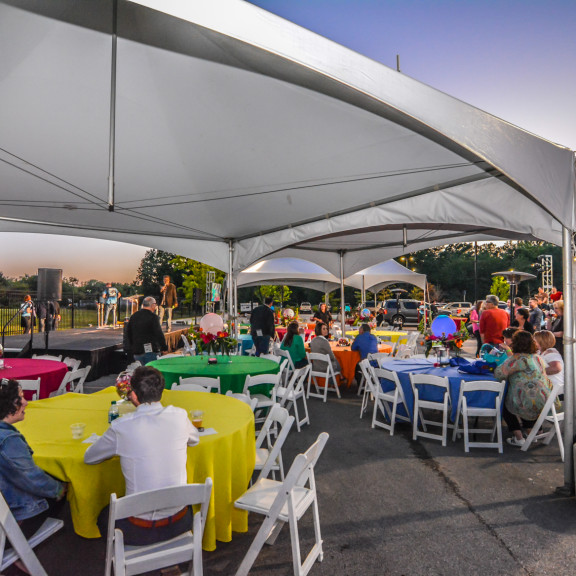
290	272
235	129
381	275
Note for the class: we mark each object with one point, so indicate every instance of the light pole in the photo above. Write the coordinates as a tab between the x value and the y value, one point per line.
513	277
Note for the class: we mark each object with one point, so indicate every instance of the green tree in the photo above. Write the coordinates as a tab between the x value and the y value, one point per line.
500	288
194	275
155	265
279	293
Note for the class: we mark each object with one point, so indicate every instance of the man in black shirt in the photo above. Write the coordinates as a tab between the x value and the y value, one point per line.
262	326
143	335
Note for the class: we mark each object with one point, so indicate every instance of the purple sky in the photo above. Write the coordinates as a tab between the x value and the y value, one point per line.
513	58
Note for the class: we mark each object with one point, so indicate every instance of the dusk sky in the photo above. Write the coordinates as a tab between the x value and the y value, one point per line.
515	59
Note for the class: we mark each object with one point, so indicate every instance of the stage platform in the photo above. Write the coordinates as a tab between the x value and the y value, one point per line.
101	348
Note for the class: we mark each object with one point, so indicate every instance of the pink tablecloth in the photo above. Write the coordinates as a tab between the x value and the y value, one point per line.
50	373
281	331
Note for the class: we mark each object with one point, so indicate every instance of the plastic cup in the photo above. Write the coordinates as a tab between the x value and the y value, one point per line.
77	430
197	417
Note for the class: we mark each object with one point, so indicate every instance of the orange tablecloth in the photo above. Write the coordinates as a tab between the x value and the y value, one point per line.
348	358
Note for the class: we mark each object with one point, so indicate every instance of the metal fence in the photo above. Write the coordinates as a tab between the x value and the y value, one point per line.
74	312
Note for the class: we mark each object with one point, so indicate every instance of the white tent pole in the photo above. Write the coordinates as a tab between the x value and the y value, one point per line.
342	303
363	297
112	135
231	317
236	328
567	263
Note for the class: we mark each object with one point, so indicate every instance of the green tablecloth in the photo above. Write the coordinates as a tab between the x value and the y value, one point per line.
232	375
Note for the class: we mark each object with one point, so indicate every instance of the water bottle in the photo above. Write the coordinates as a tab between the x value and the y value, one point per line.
113	412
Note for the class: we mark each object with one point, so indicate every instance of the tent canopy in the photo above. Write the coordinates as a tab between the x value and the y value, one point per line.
289	272
381	275
220	126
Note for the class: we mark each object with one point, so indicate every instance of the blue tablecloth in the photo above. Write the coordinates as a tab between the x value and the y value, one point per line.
246	341
424	366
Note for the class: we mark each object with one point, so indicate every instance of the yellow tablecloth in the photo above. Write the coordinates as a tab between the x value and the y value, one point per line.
390	335
227	457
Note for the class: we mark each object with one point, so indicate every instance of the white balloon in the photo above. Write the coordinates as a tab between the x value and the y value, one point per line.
212	323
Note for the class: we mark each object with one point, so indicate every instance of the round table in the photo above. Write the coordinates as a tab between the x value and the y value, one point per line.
50	373
348	358
228	457
232	374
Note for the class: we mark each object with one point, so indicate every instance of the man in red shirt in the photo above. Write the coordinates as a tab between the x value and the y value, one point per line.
492	321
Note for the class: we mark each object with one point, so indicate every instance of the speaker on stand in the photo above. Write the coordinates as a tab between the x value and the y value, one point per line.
49	288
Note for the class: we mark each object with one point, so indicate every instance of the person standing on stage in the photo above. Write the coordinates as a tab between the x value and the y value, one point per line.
111	296
27	313
168	301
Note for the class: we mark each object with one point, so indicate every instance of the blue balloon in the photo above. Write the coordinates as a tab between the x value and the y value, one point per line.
365	313
443	325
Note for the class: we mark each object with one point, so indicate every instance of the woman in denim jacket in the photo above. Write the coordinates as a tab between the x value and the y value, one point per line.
31	494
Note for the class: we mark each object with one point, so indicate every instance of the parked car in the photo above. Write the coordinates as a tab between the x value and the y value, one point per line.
306	308
458	309
407	313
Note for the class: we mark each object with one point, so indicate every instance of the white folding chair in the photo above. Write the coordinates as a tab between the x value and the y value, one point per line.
289	367
251	351
403	351
47	357
73	382
442	383
133	366
22	548
328	374
288	396
263	402
252	402
272	357
467	407
268	453
72	363
549	415
376	357
282	502
186	547
31	386
189	348
213	384
387	403
412	342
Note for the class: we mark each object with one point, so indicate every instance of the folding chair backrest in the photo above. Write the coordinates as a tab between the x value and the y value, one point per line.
483	386
155	500
403	351
9	530
252	402
285	354
390	376
189	388
379	356
368	372
78	377
272	357
72	363
31	386
47	357
316	356
430	379
279	416
210	383
298	378
260	380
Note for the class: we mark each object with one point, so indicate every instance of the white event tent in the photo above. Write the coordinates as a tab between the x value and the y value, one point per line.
223	133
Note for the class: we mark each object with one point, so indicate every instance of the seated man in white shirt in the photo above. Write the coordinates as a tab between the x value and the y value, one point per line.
152	443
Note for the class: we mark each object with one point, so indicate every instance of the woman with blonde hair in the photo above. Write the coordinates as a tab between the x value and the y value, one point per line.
545	341
555	323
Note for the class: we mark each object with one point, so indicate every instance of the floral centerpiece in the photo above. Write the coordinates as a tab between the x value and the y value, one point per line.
123	387
443	334
219	343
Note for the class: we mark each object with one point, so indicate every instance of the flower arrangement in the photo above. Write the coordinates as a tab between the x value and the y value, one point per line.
343	342
123	387
221	342
452	341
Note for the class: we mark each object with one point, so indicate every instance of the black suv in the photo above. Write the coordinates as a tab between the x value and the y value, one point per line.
407	314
